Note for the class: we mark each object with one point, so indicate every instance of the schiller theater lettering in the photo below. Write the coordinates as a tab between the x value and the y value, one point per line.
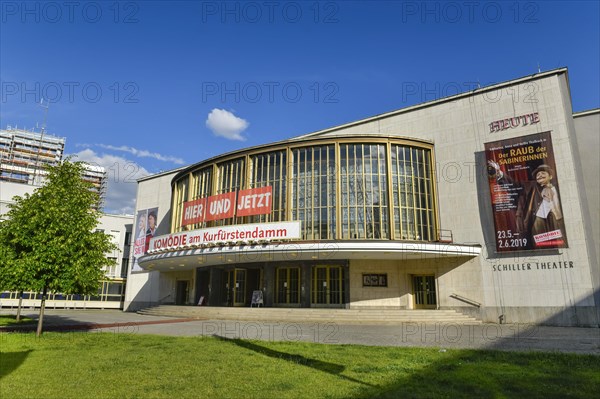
303	220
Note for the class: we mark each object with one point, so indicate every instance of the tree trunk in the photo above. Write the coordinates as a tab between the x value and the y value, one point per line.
20	305
41	319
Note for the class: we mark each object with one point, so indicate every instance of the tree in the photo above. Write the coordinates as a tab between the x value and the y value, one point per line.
49	242
13	275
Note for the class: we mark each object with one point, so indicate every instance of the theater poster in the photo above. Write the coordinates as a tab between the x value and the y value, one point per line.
525	194
146	223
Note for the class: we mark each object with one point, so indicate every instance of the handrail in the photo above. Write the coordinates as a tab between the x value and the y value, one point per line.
165	297
465	300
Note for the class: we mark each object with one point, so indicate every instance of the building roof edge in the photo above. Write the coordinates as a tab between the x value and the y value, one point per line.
586	112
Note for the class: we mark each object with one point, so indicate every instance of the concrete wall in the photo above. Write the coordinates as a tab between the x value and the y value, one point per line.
145	288
453	277
587	135
9	190
118	226
587	130
394	296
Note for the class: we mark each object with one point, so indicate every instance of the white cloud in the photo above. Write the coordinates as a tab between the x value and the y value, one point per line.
122	179
139	153
225	124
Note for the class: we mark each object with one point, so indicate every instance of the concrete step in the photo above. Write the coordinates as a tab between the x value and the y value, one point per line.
347	316
300	313
297	318
313	311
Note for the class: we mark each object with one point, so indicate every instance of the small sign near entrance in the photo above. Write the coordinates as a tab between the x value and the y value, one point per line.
375	280
257	298
201	301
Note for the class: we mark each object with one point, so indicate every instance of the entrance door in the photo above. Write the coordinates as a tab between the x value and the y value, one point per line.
181	292
235	287
328	286
424	292
288	286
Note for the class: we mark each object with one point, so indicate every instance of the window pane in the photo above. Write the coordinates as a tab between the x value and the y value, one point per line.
313	193
364	191
413	200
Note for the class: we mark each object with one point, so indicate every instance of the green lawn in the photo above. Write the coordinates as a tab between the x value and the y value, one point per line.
11	320
106	365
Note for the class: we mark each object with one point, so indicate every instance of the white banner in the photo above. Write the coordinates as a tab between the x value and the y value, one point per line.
238	233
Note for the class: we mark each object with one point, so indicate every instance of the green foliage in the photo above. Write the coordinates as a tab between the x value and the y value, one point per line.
49	239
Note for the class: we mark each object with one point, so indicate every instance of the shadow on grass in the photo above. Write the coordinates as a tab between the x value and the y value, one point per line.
463	374
10	361
52	322
65	324
330	368
493	374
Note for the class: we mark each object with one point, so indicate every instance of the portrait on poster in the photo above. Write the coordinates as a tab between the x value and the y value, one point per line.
525	194
145	229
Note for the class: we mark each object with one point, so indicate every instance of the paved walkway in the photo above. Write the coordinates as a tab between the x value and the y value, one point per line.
517	337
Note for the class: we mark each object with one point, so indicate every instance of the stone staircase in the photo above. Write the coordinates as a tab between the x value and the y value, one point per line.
312	315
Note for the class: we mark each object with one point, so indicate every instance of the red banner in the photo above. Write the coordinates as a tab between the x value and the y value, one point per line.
193	211
254	201
220	206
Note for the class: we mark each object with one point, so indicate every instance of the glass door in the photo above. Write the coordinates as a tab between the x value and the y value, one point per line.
424	292
328	286
288	286
235	287
181	292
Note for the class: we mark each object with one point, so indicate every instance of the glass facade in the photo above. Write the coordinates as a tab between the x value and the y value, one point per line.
109	291
313	186
180	195
201	187
231	176
340	189
364	204
412	187
270	169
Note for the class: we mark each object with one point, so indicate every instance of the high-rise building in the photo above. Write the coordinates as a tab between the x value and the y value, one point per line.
24	155
98	177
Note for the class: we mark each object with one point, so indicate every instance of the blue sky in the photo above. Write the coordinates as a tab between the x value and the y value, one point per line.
145	86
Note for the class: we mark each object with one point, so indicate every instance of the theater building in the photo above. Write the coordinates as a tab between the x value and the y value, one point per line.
485	202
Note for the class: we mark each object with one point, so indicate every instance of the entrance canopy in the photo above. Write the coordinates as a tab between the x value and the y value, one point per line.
188	259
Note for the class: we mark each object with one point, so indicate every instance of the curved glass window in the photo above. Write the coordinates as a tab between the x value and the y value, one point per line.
313	186
230	177
364	204
270	170
180	195
342	189
201	187
414	217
